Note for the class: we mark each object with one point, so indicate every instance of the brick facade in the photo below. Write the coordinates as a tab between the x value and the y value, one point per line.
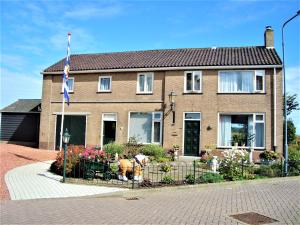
123	98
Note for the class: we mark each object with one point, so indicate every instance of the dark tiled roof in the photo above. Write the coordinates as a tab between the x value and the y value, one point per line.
23	105
231	56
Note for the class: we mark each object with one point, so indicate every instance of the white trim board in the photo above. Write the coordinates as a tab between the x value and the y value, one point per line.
165	69
72	113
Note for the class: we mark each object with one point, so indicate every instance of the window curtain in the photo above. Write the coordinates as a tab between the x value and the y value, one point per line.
250	142
229	81
225	130
149	83
141	83
105	84
141	127
236	81
259	135
247	81
197	82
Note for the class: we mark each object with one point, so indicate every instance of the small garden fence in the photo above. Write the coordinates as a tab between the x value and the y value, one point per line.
167	174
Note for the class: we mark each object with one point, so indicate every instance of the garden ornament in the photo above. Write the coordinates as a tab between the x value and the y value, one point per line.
215	164
126	165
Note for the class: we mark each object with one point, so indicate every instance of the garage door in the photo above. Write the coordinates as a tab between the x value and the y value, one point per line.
76	126
20	127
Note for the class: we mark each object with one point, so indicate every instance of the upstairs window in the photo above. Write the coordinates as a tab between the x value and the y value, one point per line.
193	81
145	83
241	81
259	81
70	84
104	84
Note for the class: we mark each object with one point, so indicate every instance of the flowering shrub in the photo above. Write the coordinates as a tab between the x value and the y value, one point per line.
73	153
94	154
231	165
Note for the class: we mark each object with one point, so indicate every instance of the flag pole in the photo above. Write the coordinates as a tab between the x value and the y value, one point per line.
65	77
62	122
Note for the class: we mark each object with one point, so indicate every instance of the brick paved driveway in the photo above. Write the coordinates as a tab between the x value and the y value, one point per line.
12	156
203	204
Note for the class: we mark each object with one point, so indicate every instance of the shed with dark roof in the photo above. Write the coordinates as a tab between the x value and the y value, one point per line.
20	122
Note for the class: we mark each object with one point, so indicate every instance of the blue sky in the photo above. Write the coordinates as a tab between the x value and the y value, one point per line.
33	33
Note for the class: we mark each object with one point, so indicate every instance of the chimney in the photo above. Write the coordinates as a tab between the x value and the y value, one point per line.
269	37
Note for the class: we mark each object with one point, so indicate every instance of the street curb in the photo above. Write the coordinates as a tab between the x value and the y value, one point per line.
140	192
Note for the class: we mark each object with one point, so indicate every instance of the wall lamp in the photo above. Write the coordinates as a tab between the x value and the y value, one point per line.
172	97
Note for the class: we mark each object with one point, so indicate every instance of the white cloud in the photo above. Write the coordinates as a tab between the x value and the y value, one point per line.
12	61
89	11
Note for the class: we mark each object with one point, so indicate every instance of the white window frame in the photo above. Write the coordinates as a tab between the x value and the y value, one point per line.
145	82
70	91
183	130
160	127
253	129
255	73
263	121
102	123
196	72
260	73
152	126
99	83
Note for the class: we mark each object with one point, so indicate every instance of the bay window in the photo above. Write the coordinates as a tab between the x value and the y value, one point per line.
145	83
145	127
242	81
244	129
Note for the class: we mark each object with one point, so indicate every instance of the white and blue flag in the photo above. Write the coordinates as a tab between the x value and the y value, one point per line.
66	72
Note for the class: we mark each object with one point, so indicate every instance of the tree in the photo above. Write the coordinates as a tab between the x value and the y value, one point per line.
291	103
291	132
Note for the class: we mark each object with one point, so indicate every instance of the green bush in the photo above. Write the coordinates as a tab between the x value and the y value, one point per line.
273	170
210	178
294	160
132	148
269	155
166	167
154	151
113	148
190	179
167	180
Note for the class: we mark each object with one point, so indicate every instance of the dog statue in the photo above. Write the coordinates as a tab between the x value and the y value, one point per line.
126	165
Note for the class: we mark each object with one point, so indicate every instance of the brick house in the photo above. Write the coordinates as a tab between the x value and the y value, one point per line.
223	95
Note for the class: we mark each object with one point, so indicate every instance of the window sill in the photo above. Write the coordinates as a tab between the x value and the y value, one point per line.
192	93
103	92
70	92
141	93
239	147
241	93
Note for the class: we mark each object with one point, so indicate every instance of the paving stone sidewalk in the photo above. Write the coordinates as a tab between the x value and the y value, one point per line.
201	204
34	181
12	156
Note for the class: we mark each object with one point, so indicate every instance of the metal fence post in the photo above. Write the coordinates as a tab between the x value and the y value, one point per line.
243	168
133	168
194	168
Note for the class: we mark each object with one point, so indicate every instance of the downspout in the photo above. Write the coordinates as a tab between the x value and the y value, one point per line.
275	108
